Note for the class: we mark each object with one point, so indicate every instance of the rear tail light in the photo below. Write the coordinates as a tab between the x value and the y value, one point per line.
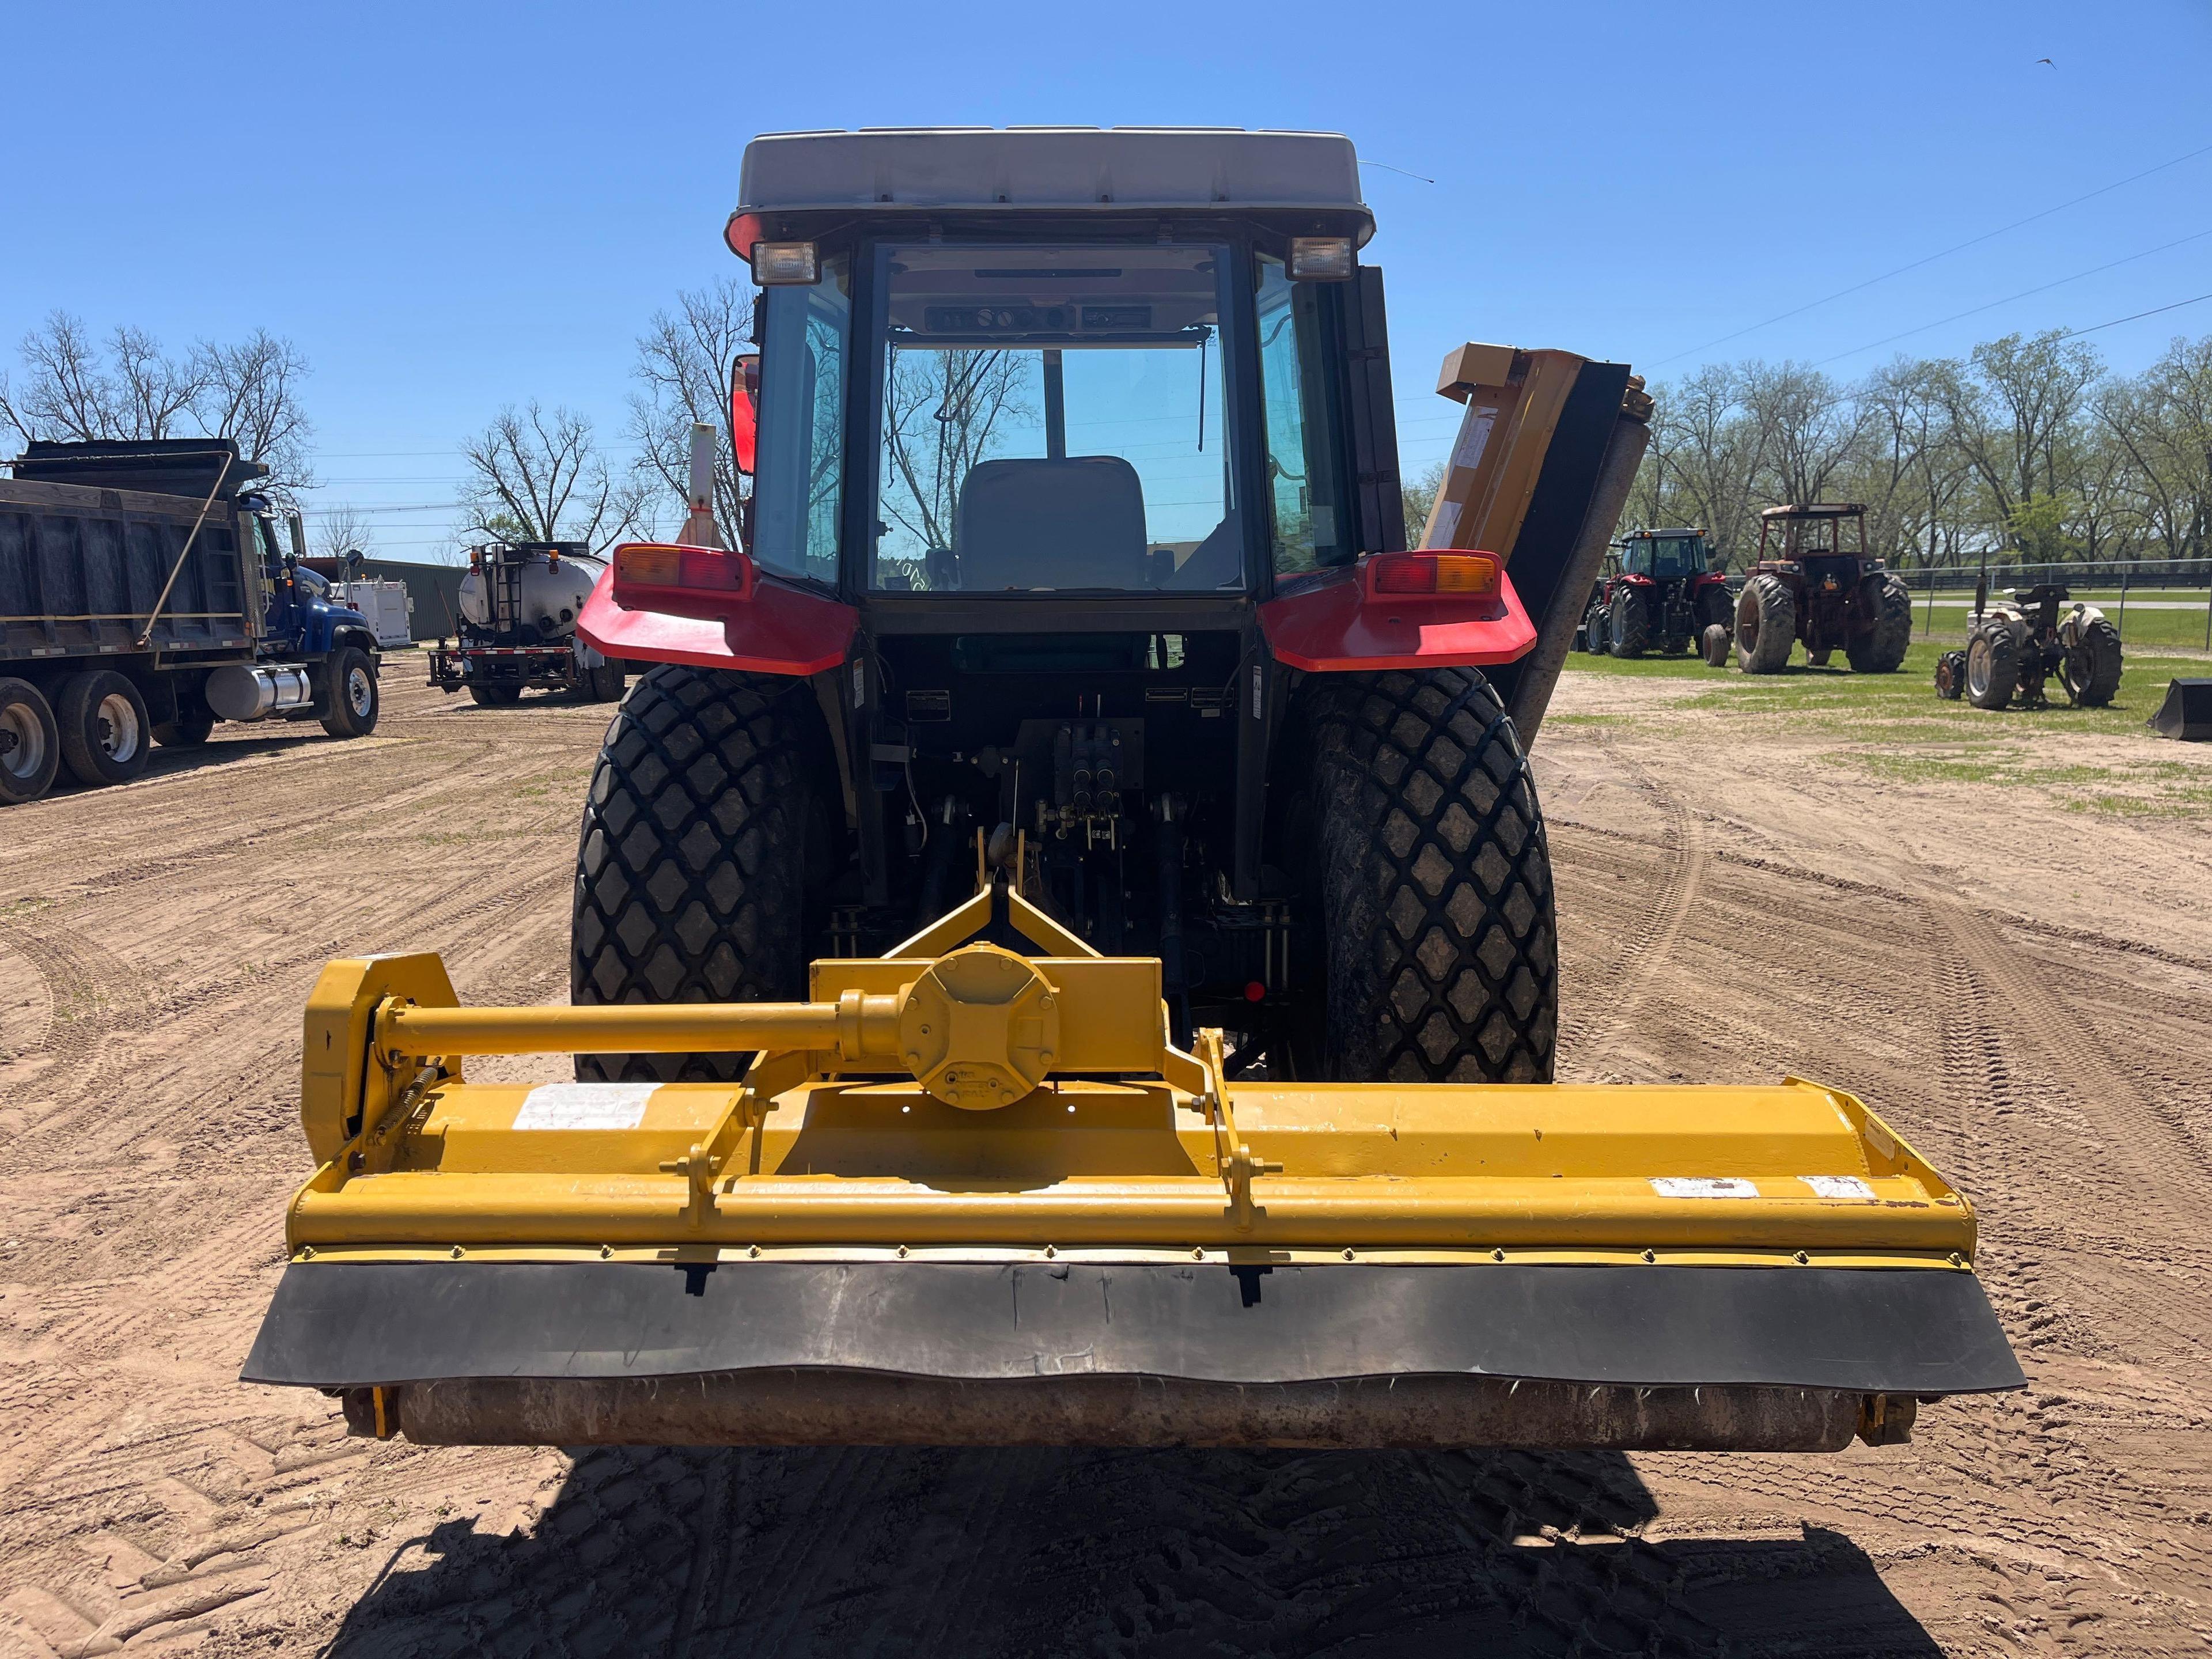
691	569
1437	575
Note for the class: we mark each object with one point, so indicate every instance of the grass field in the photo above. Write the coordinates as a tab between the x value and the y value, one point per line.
1895	727
1899	707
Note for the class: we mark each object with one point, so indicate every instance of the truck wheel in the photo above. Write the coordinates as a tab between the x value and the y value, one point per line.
494	696
106	734
601	684
1881	649
188	730
350	696
1629	627
1992	666
1429	885
30	742
2091	673
1765	625
705	836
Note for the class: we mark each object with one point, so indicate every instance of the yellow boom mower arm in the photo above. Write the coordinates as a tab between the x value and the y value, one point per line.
965	1195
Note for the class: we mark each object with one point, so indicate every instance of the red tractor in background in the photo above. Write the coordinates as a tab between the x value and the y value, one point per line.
1812	582
1664	594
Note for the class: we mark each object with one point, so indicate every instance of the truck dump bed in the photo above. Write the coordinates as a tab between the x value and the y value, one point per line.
82	564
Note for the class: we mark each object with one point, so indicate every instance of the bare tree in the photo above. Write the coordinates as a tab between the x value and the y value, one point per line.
73	391
684	367
250	392
942	414
1809	428
539	475
341	530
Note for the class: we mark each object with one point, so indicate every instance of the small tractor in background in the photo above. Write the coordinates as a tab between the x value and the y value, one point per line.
1814	583
518	627
2016	644
1662	593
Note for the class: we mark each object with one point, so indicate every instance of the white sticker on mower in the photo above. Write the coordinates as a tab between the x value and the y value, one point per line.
1837	1186
585	1106
1703	1186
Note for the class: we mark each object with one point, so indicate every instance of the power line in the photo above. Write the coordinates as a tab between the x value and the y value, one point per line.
1956	247
2074	333
2046	288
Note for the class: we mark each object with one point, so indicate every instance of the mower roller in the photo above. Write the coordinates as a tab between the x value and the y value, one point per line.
1063	948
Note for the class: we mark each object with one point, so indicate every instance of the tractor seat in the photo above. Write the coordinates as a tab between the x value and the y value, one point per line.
1073	523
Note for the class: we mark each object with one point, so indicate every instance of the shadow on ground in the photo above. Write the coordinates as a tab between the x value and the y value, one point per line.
860	1552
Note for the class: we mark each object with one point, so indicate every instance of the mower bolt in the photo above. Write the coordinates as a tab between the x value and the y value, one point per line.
901	1250
1197	1255
1799	1257
1957	1260
606	1250
1347	1255
306	1253
1650	1255
457	1253
1498	1256
752	1249
1050	1251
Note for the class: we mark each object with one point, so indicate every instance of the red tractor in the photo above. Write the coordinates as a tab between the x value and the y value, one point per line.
1813	582
1665	595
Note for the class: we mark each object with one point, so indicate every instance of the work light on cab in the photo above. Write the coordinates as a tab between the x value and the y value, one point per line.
777	264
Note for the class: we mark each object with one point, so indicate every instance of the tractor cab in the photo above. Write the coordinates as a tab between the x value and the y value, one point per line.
1666	555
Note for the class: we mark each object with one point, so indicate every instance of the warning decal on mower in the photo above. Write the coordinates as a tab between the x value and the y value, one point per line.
1703	1186
585	1106
1837	1186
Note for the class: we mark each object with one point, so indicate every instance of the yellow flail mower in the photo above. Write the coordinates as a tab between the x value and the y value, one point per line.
971	1195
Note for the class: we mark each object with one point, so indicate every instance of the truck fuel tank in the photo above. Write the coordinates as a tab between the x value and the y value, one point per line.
252	692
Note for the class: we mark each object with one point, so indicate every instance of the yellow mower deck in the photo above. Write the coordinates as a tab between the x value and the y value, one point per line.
967	1196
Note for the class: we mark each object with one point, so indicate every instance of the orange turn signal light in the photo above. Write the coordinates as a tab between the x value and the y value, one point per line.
1442	575
658	564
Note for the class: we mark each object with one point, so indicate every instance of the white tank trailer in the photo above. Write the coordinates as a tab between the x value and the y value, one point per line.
519	602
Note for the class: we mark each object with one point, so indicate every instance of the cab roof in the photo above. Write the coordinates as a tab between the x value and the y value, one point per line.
1061	169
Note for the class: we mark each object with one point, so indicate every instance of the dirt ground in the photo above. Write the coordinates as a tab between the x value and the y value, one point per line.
2026	990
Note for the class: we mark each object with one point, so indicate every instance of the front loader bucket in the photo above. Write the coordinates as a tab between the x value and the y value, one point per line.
970	1197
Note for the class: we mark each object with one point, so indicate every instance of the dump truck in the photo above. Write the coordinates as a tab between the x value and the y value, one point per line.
1814	580
147	590
518	627
1063	947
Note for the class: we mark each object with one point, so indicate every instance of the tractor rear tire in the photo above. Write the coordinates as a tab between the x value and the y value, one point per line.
2091	672
1765	625
704	836
1595	628
1715	645
1992	666
1881	649
1628	624
1424	844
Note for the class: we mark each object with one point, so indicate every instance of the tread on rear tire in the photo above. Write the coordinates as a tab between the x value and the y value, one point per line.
1765	625
1629	623
1426	850
704	822
1881	650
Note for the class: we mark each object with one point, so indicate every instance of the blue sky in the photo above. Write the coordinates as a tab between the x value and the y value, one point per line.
454	207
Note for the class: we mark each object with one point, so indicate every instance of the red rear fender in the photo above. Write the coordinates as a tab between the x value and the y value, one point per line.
1337	624
756	623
